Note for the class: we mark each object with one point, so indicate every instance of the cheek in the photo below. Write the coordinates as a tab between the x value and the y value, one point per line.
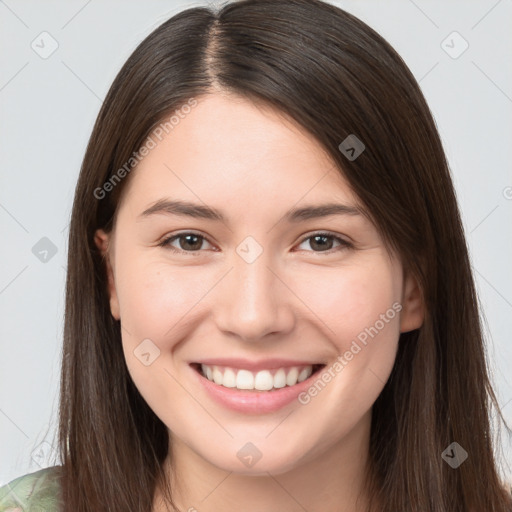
361	309
159	302
156	306
350	300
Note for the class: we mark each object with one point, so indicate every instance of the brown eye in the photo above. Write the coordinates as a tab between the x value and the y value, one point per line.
323	242
187	242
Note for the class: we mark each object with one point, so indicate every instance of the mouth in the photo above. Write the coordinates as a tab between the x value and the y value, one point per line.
253	393
264	381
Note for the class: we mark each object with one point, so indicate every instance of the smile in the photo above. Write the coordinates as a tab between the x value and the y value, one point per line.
250	399
263	380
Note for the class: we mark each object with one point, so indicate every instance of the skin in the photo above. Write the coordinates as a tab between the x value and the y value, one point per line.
296	301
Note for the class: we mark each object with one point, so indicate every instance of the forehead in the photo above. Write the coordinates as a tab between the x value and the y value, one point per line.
229	151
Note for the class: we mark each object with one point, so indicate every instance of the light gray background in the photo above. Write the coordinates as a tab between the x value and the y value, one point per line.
48	107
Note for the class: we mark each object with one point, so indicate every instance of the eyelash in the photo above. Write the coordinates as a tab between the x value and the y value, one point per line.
344	244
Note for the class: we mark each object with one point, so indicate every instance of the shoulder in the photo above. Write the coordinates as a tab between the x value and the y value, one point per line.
39	489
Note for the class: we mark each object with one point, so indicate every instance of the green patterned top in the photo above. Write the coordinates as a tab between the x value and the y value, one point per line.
34	492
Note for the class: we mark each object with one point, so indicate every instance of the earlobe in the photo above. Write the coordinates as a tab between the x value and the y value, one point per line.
413	306
102	240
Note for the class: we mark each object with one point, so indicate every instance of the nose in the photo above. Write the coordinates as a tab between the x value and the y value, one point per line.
254	301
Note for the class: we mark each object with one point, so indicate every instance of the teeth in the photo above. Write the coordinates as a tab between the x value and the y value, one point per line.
303	375
263	380
229	378
292	376
244	380
280	378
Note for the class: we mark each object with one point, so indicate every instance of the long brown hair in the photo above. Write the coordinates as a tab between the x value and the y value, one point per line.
335	76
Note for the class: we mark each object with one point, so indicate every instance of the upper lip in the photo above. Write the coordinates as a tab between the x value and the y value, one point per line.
246	364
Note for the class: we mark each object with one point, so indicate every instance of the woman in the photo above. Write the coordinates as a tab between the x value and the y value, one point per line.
318	345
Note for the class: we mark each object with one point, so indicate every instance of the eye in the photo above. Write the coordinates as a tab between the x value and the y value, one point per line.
191	243
188	242
324	242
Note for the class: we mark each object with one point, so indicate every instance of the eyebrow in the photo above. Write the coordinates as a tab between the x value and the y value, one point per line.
189	209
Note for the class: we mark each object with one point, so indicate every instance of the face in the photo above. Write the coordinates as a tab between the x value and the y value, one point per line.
255	293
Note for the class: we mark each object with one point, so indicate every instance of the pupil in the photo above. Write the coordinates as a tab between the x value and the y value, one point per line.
322	246
197	245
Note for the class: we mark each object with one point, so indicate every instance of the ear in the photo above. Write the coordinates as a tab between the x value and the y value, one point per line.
102	240
413	306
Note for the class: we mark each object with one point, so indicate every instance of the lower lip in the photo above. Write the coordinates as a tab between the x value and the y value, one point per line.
255	402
